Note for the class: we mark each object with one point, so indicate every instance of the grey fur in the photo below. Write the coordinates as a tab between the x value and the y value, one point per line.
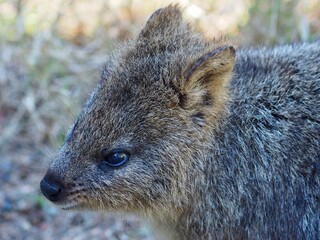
210	158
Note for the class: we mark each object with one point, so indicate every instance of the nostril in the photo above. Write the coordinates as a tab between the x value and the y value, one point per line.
50	190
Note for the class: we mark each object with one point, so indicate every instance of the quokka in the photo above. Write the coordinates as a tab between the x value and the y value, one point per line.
210	141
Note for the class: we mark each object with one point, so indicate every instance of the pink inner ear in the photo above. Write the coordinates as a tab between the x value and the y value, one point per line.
202	59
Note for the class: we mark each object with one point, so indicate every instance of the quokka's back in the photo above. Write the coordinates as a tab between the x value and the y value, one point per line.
211	142
269	146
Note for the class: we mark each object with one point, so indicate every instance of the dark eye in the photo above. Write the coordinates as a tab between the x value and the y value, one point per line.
116	157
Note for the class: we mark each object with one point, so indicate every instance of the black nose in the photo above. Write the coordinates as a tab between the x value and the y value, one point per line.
50	190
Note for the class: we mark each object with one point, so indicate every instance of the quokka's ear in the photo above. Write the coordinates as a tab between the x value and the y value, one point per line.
205	86
162	23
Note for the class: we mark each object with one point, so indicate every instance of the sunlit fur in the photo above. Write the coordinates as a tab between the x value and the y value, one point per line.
211	158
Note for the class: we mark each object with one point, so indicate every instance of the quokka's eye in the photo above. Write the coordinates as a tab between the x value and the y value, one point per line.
116	157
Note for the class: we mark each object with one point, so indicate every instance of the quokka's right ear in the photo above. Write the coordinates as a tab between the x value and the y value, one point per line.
205	87
162	23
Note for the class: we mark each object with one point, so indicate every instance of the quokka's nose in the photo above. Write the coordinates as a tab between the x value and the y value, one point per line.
50	190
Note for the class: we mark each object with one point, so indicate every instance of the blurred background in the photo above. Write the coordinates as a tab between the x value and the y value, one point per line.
51	53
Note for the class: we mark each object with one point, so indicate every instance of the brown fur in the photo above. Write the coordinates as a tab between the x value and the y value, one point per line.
220	147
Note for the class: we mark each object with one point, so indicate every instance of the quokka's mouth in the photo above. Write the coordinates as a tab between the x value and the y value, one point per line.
69	206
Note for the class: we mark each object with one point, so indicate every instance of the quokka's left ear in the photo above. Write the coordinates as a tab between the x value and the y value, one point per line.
205	85
162	24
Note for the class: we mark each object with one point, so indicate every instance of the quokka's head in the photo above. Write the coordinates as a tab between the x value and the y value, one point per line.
140	134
